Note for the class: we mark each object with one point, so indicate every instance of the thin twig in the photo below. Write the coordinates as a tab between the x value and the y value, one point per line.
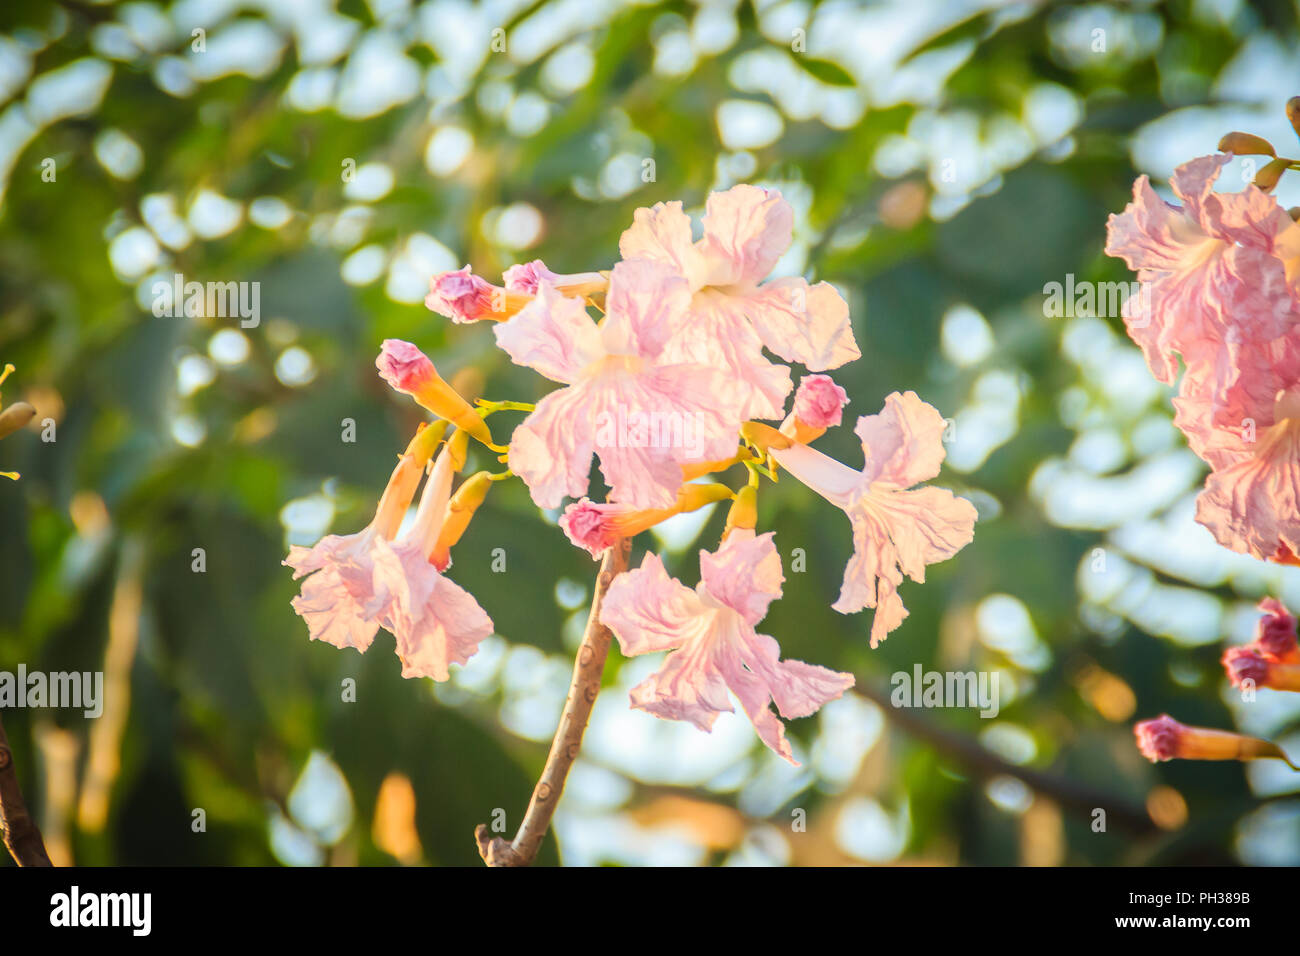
21	836
982	762
587	671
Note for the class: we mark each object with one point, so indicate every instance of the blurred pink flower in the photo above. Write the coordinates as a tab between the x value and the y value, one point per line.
746	231
715	647
896	532
1275	632
641	411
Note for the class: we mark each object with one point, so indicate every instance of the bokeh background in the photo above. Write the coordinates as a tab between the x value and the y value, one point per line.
946	160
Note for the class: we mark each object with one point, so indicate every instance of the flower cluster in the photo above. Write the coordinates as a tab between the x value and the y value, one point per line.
1221	289
661	391
1272	659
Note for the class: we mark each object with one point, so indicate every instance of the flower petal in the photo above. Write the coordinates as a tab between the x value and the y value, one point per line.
746	230
552	335
744	573
648	611
551	449
803	323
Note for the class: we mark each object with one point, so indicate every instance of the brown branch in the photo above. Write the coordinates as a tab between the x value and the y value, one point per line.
587	671
982	762
21	836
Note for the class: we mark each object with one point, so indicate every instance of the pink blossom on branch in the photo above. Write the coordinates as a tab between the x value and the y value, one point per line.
714	646
625	399
896	531
734	314
1209	265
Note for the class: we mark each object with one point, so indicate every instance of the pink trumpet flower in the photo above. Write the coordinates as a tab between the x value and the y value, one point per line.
734	314
715	648
896	531
641	411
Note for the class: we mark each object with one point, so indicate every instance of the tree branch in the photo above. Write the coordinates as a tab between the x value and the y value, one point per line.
982	762
21	836
587	671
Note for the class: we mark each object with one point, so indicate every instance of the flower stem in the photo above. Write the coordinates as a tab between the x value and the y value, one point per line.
21	836
587	671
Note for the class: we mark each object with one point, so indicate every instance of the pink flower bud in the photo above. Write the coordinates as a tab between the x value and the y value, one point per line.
460	295
1245	663
405	367
525	276
1275	634
819	402
588	526
1158	738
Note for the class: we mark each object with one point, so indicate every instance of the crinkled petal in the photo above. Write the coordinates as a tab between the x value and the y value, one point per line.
551	449
744	573
649	611
803	323
717	335
746	231
1253	507
897	533
646	304
903	443
553	335
647	424
332	613
662	234
1250	217
435	621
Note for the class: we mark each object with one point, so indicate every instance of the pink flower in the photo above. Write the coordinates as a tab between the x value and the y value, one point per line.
404	367
819	402
715	647
590	526
642	412
1158	739
598	527
335	598
436	622
1164	738
896	532
526	276
1275	633
1245	663
462	296
746	230
1208	265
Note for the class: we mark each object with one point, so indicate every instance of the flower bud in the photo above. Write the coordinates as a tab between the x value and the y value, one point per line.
408	370
1164	738
744	511
1275	633
1246	144
1246	663
460	510
597	527
818	405
464	297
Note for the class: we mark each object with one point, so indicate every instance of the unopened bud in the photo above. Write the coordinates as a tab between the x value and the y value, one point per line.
460	510
1246	144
